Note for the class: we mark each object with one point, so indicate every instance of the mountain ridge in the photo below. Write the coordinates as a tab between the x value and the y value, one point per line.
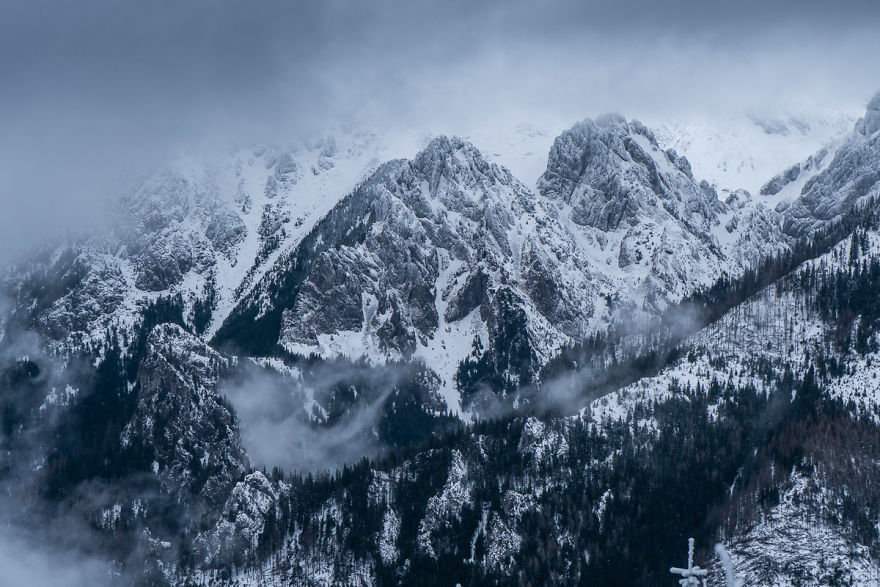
486	312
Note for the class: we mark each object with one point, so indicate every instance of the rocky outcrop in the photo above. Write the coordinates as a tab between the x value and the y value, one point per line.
252	506
612	173
182	420
96	288
791	174
870	124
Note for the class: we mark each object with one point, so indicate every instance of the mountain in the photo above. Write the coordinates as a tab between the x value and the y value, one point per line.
595	239
644	216
616	226
204	228
301	365
420	259
748	431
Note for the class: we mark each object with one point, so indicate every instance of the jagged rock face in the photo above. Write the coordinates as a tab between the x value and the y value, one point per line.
225	231
180	417
851	177
447	199
383	283
421	245
871	122
172	224
63	298
250	507
606	172
647	215
171	228
773	187
445	507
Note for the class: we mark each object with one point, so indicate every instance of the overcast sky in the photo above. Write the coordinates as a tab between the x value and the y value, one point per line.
92	88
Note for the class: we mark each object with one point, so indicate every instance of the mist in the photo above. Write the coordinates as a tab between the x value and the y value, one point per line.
317	419
26	563
95	92
40	545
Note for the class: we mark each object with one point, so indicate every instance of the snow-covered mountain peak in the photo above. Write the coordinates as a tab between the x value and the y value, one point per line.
441	150
447	161
613	174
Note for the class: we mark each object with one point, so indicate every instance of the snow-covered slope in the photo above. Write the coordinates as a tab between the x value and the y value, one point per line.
743	152
850	178
779	328
793	545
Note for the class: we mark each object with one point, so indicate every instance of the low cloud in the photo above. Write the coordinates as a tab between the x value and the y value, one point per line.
41	543
301	423
30	562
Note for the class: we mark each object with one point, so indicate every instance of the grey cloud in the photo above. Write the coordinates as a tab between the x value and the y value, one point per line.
94	91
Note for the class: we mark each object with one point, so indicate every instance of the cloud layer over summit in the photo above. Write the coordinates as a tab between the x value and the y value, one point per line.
92	90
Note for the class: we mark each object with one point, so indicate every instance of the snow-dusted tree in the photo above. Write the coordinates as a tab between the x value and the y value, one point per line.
690	574
727	564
